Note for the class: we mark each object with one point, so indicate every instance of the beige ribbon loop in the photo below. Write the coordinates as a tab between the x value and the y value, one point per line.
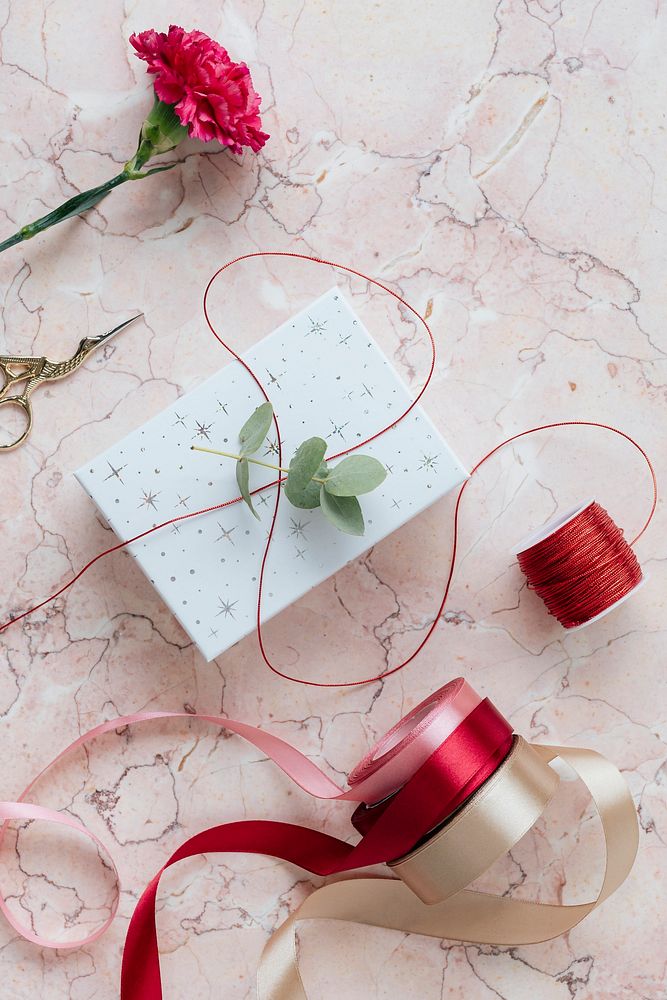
493	820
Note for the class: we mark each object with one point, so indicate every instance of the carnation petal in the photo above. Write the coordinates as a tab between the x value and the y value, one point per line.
211	94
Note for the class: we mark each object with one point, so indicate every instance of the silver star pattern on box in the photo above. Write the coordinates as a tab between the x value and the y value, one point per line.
340	386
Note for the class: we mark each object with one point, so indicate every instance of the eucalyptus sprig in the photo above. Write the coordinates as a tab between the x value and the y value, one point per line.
310	482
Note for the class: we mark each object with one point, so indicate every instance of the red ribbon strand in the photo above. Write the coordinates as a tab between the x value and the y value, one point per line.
456	769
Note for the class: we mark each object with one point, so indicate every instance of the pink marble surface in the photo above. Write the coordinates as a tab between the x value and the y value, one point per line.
502	164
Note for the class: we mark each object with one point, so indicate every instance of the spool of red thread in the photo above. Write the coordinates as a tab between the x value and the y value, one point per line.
580	565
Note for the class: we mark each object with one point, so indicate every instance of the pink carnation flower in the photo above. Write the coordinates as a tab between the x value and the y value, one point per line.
212	95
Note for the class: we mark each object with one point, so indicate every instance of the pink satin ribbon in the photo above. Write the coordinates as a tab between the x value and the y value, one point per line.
401	752
395	758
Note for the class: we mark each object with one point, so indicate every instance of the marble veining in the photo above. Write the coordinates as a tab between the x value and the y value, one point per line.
502	165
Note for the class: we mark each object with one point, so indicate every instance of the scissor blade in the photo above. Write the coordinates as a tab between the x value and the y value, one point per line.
112	333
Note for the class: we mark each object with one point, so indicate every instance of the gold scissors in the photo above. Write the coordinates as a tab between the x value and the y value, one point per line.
35	371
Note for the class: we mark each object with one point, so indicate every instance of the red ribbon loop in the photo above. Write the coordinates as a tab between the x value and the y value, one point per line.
456	769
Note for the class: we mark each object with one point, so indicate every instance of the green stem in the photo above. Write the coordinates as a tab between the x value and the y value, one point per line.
238	458
73	206
160	132
12	241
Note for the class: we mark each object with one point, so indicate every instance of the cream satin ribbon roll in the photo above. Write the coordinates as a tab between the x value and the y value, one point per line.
489	825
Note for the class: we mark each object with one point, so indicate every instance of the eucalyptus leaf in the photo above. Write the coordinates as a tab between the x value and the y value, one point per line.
343	512
255	429
309	496
305	463
243	478
355	475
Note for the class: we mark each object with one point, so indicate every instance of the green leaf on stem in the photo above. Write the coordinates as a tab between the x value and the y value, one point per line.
243	480
255	429
355	475
73	206
308	497
305	463
138	174
343	512
161	131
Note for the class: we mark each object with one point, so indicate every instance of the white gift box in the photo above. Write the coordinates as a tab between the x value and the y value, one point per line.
326	377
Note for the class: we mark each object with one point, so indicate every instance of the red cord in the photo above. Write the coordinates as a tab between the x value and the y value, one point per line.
361	444
583	568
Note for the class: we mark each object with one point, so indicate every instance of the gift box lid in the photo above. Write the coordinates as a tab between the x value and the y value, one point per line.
325	376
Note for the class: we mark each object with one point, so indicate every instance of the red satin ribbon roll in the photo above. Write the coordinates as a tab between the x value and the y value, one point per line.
449	774
402	751
424	769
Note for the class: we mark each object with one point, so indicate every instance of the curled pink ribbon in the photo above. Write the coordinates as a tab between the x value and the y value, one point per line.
382	771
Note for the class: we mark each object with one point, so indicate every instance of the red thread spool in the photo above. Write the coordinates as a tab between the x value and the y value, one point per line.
580	565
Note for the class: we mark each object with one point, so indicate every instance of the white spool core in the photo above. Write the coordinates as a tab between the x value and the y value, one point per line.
549	529
394	740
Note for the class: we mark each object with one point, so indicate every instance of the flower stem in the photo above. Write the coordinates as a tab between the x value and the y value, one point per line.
73	206
160	132
237	458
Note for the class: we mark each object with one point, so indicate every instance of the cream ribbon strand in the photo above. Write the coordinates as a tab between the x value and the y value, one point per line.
488	826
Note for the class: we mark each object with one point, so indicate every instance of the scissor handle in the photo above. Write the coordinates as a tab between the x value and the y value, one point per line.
24	404
30	368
